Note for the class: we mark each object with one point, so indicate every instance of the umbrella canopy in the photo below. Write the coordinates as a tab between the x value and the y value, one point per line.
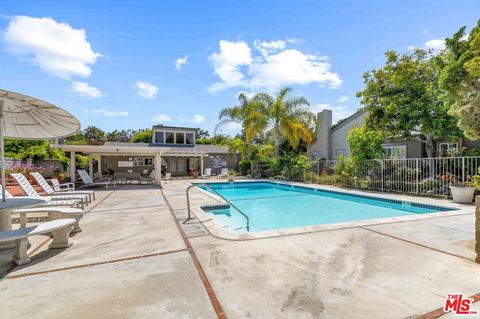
25	117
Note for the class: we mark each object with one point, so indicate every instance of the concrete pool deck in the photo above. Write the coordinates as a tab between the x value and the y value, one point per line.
132	261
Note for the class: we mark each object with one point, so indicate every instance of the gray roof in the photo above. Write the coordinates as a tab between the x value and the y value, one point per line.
174	127
216	149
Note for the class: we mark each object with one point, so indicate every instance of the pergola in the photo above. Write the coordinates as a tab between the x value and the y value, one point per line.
130	150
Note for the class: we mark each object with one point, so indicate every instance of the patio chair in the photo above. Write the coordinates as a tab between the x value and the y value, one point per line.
50	191
223	173
100	178
207	174
58	200
62	187
88	182
53	213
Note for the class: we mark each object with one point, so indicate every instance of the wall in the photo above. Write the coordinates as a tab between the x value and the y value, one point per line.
49	167
208	161
111	162
340	132
322	146
229	159
415	148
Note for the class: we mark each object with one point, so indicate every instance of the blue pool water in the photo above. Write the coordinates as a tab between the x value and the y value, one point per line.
274	206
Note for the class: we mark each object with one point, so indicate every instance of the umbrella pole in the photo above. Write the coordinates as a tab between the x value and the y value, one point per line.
2	151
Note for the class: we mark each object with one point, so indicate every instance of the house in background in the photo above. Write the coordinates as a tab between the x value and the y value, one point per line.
173	149
331	140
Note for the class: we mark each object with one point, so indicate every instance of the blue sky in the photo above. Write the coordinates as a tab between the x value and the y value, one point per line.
131	64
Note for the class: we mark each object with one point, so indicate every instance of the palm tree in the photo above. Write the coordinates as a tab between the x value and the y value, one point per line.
249	114
289	117
235	145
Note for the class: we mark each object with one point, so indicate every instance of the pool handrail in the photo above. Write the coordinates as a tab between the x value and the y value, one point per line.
208	186
279	177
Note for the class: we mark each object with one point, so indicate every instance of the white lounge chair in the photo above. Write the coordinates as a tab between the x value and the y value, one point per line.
60	229
62	187
88	182
208	173
58	200
53	212
50	191
223	173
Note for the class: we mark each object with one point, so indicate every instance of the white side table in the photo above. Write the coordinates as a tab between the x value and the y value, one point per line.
6	209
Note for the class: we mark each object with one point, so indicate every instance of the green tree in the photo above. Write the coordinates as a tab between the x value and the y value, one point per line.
289	117
460	78
365	144
93	135
235	145
120	135
403	97
200	134
249	114
144	136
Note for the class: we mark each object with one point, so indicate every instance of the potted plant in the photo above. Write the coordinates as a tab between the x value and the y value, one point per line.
195	173
462	192
231	175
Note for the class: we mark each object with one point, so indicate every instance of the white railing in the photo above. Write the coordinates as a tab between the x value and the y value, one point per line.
410	175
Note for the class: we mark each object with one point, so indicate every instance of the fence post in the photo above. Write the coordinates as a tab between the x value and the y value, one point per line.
416	175
383	175
463	169
477	228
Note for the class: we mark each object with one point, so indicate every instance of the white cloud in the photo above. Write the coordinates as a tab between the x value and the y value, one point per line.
338	112
275	66
55	47
343	99
197	118
146	90
411	48
265	47
435	45
84	89
180	62
106	112
227	64
162	118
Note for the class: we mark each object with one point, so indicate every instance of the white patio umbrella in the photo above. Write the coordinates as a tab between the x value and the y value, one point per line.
25	117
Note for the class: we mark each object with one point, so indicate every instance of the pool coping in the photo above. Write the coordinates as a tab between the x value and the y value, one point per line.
219	231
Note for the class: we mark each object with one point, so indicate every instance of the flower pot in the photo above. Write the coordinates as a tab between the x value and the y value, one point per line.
462	195
231	178
195	174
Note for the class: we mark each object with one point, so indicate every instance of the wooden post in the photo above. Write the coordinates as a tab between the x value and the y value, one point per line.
477	228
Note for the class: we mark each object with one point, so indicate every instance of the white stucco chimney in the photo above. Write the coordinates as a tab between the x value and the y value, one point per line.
324	134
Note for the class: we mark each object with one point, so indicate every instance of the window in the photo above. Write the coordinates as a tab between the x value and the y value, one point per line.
169	137
180	138
395	151
446	148
143	161
341	152
189	138
159	137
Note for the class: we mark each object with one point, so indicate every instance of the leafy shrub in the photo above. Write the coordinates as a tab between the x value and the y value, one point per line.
344	170
244	166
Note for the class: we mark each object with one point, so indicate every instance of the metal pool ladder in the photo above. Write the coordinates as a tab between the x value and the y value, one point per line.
214	191
279	177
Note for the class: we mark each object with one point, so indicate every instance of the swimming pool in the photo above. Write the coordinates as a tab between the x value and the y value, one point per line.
270	206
